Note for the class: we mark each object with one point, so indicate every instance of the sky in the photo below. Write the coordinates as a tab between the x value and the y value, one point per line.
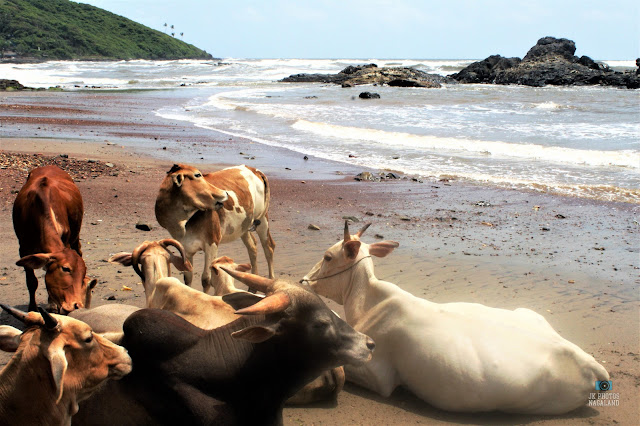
382	29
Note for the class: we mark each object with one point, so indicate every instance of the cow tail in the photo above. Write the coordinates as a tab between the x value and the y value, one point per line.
267	202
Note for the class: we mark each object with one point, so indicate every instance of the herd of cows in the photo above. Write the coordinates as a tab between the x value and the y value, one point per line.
228	356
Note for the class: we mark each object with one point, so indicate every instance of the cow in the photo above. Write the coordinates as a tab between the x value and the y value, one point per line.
47	216
106	320
58	362
202	310
204	211
155	259
223	283
240	373
463	357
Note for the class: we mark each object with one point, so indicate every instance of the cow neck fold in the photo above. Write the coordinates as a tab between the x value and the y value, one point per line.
362	292
27	370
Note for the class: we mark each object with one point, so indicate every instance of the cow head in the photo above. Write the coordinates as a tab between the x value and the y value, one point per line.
221	281
193	189
65	277
80	360
332	275
295	312
155	259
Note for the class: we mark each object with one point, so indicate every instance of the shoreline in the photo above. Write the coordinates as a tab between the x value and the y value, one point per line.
452	246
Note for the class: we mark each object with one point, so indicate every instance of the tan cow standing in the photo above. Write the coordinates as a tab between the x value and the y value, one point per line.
204	211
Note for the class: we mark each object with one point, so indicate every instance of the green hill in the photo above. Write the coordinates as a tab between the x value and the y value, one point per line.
61	29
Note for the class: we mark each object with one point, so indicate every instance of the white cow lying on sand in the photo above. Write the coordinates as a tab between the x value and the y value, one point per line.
456	356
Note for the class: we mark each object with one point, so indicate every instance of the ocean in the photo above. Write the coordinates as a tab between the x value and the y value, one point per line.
576	141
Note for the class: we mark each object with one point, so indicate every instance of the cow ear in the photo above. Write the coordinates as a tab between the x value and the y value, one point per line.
9	338
58	360
255	333
92	284
178	179
241	300
243	267
122	258
180	263
35	261
382	248
351	249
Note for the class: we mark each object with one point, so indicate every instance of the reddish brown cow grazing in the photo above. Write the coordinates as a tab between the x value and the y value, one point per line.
47	216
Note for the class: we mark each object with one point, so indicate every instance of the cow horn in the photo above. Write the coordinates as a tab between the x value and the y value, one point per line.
171	242
50	323
21	316
347	235
256	282
135	258
364	228
275	303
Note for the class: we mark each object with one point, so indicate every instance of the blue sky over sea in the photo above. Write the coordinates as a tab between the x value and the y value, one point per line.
459	29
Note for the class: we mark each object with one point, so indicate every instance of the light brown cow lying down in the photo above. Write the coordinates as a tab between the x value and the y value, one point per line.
58	362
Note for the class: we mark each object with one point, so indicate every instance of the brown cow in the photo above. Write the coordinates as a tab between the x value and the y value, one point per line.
58	362
47	216
204	211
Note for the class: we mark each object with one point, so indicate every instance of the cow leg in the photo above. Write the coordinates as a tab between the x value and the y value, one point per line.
188	275
32	286
250	243
210	253
268	245
376	375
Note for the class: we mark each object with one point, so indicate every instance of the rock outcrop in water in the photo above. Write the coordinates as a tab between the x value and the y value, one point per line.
550	61
372	74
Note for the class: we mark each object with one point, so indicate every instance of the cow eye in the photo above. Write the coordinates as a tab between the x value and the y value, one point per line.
321	325
66	269
89	339
327	258
198	175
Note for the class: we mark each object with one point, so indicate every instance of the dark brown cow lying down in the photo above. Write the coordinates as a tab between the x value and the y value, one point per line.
241	373
47	216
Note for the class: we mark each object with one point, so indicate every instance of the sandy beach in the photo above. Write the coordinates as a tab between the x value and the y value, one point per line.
573	260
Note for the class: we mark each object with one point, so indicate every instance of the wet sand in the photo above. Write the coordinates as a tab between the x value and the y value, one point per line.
573	260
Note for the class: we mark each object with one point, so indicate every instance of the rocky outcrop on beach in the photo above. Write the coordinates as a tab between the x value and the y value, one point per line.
551	61
11	85
372	74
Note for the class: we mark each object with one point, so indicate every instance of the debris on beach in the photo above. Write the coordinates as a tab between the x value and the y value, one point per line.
313	227
20	164
483	204
143	226
351	218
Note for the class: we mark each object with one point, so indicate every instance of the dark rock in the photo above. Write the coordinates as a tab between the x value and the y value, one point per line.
364	176
372	74
369	95
550	48
11	85
550	61
143	226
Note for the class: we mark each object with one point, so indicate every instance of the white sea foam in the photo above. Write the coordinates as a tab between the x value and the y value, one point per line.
625	158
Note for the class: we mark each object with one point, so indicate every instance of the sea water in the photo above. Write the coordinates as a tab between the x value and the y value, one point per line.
578	141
